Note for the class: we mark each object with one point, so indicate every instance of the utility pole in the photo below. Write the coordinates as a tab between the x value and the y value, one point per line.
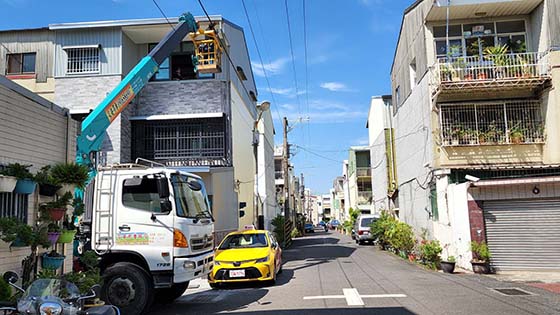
285	167
302	194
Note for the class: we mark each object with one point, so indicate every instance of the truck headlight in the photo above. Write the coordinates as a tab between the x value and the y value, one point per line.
189	265
50	308
261	260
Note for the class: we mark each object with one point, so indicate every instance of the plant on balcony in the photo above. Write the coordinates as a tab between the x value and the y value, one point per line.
498	56
70	176
459	67
55	210
445	72
516	134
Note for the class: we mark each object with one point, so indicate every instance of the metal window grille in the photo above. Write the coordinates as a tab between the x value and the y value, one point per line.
182	142
82	60
507	122
14	206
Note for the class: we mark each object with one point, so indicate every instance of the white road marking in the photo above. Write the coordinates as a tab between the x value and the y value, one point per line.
353	297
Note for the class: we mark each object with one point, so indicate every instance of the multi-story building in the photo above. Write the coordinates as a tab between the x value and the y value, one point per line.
326	207
202	123
476	104
338	198
359	179
382	151
267	207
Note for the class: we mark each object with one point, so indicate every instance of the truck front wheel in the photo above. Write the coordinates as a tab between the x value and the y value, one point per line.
168	295
128	287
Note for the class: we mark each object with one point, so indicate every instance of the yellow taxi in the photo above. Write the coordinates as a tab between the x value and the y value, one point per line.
249	255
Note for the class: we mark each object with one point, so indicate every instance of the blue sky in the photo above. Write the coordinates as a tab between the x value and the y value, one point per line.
350	47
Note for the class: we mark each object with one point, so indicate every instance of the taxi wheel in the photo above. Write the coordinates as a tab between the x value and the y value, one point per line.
280	269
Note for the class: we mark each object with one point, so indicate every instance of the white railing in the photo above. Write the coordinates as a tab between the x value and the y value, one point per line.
491	123
508	66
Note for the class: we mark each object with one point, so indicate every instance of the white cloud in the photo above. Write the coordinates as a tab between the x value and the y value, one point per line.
287	92
334	86
273	68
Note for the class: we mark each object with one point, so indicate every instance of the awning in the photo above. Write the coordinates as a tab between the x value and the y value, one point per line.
516	181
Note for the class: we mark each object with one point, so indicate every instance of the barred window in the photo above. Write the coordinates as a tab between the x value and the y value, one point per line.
82	60
14	206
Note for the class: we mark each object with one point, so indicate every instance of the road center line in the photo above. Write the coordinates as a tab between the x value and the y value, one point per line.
383	296
352	297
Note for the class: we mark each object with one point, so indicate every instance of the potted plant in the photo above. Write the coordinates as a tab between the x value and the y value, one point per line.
7	183
516	135
481	257
55	210
445	73
481	137
68	231
448	265
53	233
498	56
52	260
47	184
25	183
70	176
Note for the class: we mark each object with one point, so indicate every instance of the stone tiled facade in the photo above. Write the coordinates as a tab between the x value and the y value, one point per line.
183	97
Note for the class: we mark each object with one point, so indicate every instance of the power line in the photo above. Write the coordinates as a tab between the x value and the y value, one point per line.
261	60
306	71
317	154
292	54
162	13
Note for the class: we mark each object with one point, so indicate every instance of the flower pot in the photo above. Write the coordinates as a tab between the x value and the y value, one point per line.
48	189
411	257
52	263
66	188
7	183
67	236
53	237
481	267
517	139
25	186
482	76
447	266
57	213
18	242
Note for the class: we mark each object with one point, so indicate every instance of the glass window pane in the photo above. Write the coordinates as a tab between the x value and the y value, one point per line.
455	47
480	28
518	44
14	63
162	74
510	27
141	196
454	30
487	41
28	63
440	48
473	48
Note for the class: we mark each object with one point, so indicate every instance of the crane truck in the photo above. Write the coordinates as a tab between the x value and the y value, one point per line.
150	225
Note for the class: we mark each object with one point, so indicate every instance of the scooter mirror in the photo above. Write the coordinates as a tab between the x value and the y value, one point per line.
10	277
96	289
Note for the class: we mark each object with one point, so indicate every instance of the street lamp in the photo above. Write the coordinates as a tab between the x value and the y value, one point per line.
261	108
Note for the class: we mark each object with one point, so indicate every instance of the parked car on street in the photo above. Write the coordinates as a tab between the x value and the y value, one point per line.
334	224
362	228
243	256
309	228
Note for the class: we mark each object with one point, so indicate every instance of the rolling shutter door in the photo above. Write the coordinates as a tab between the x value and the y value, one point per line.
523	234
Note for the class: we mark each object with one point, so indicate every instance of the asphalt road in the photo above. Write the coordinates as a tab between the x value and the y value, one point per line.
327	273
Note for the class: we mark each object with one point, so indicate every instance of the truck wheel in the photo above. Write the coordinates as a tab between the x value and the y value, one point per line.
168	295
128	287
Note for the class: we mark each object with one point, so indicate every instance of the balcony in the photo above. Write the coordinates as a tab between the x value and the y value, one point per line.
365	197
363	172
453	77
492	123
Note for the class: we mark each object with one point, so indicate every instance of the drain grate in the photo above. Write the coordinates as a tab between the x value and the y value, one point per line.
512	291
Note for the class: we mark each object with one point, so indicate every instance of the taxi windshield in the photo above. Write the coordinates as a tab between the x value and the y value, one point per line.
253	240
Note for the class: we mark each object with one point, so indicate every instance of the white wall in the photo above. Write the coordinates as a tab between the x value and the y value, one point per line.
376	130
242	151
413	141
267	188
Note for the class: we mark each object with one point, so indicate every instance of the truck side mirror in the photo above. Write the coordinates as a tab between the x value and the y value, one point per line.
163	187
166	206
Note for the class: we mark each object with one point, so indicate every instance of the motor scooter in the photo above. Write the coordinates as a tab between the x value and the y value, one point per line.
52	297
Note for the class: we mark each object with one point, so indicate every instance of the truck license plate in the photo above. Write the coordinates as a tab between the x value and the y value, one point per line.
237	273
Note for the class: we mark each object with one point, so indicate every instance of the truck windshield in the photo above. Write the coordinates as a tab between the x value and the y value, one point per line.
190	203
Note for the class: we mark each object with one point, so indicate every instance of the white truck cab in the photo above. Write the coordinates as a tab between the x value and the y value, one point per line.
153	229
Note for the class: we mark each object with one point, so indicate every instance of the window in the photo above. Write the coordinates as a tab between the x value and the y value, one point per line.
82	60
141	194
179	65
14	206
412	71
398	95
191	202
20	63
472	39
252	240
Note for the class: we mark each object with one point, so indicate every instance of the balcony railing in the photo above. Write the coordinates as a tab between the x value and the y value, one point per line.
365	197
491	123
363	172
510	69
278	175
